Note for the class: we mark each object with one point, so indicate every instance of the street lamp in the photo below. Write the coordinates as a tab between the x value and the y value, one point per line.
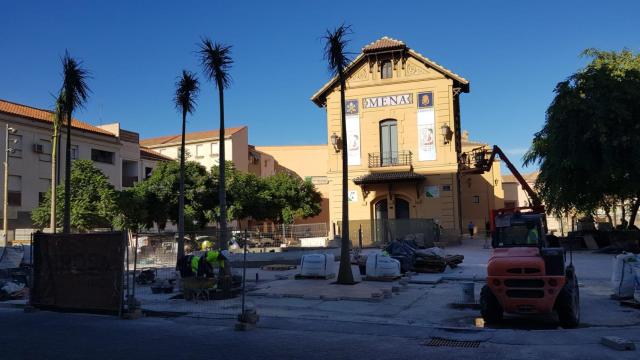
8	149
447	134
335	141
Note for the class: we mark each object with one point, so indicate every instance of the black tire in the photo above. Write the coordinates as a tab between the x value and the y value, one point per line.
490	307
568	302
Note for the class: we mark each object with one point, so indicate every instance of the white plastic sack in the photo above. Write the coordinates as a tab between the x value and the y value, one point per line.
381	265
317	265
12	287
435	251
623	276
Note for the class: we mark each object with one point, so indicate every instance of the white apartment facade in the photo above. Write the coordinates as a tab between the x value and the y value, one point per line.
203	147
116	152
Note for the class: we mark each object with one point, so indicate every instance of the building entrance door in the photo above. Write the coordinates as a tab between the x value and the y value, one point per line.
380	221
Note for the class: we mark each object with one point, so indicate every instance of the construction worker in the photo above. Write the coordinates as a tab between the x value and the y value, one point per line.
532	235
203	265
471	227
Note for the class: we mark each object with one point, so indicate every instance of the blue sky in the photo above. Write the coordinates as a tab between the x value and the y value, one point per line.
513	52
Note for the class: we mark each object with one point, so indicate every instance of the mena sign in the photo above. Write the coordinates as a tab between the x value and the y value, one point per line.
389	100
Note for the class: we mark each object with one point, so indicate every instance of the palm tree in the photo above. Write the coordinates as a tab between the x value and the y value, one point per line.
185	100
76	91
336	56
58	122
216	62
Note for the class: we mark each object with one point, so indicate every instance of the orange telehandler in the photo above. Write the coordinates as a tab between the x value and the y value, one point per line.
527	271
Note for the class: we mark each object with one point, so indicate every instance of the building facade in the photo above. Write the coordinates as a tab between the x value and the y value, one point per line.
403	142
204	147
115	151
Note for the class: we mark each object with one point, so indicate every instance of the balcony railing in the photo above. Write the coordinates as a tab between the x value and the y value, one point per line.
392	158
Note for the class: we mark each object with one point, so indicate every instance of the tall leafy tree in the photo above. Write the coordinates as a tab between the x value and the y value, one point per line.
58	122
76	92
336	55
94	201
588	147
290	198
161	194
216	62
185	100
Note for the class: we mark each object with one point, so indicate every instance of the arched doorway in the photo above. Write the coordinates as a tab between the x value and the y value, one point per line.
380	220
402	209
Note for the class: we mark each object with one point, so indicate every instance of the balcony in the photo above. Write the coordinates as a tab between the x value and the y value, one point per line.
388	159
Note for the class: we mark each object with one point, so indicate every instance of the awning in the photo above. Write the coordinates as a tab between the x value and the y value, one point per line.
389	177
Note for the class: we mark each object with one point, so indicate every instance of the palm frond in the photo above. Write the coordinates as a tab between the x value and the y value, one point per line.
187	89
335	48
74	85
216	61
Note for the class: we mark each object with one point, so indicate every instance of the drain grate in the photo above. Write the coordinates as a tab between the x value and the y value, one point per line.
437	341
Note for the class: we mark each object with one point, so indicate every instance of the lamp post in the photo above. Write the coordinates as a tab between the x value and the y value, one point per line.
5	212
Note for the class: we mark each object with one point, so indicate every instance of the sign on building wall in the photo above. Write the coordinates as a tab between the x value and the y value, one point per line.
426	127
352	195
432	191
389	100
352	142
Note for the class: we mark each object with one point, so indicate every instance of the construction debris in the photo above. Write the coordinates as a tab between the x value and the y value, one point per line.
412	258
617	343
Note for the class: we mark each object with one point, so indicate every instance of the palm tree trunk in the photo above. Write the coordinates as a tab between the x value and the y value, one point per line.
181	196
222	196
66	225
344	273
54	178
634	212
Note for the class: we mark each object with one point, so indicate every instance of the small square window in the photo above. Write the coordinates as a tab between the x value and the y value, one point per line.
74	152
102	156
446	187
475	199
199	151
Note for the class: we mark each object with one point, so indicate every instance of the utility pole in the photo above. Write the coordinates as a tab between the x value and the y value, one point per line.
5	200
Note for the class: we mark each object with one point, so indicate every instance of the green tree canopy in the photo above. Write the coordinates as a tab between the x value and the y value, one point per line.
93	200
160	194
290	198
588	148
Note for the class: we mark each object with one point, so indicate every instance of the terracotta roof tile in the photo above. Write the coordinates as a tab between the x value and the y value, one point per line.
384	43
153	155
45	116
192	136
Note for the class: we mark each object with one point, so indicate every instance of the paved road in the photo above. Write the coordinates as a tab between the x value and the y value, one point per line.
48	335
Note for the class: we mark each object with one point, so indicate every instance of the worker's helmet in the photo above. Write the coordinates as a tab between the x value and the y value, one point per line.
206	245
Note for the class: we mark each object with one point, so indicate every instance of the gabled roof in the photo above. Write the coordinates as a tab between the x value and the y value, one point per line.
45	116
192	136
153	155
530	177
385	44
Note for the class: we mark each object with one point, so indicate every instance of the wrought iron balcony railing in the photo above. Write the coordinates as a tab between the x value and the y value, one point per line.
392	158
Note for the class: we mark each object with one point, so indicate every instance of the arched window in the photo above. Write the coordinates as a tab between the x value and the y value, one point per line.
388	142
387	70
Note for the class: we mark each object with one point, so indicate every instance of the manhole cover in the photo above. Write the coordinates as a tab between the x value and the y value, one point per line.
437	341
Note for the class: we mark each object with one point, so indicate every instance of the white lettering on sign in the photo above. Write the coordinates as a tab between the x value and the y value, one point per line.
390	100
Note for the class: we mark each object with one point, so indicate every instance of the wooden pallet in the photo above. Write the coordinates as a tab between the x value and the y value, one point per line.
382	278
314	277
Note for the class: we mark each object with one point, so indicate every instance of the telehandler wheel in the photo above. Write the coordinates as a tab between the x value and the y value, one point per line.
490	307
568	302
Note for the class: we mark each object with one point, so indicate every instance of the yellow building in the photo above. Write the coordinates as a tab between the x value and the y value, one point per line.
403	142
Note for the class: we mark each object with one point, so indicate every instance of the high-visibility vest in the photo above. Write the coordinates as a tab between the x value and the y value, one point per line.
532	236
213	258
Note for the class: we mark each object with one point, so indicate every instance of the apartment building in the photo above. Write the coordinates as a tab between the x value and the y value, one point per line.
203	147
115	151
